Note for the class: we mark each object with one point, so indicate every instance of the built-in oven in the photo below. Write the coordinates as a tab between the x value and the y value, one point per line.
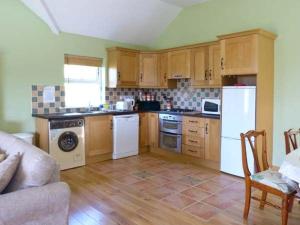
170	132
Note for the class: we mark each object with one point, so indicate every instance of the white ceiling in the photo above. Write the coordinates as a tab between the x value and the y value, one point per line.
130	21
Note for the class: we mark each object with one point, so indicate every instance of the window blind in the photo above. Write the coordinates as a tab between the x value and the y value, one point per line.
83	60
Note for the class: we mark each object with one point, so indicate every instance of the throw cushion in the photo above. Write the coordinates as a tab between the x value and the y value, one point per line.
7	169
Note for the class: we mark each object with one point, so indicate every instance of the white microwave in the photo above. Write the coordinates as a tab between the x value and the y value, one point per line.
211	106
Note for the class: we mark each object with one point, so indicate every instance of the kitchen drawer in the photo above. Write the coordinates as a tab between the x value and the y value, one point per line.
193	121
193	140
193	131
193	151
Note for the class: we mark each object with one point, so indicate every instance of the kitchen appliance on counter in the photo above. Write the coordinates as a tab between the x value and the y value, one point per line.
148	105
170	132
211	106
238	116
125	105
66	142
125	135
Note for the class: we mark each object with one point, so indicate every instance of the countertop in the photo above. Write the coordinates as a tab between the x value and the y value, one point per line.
115	113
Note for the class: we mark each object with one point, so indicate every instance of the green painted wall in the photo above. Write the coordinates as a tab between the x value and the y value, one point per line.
31	54
203	22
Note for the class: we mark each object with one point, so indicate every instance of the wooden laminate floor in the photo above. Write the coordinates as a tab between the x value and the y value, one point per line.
149	190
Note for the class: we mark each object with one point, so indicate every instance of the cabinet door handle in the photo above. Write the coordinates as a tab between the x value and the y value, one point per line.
111	125
206	128
193	151
210	72
141	76
165	77
192	141
193	131
222	63
119	75
193	121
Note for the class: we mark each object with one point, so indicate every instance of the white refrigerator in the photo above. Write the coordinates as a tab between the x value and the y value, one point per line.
238	116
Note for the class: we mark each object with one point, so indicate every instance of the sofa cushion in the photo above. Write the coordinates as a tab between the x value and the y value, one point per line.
8	168
36	167
2	156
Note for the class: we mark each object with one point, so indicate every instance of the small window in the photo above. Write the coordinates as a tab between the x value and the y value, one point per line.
84	83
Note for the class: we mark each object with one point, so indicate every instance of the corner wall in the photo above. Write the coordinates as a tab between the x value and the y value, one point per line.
203	22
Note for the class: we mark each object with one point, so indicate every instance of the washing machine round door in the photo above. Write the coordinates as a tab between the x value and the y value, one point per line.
68	141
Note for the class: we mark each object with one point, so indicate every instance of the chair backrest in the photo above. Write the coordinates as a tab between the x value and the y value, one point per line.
258	145
290	137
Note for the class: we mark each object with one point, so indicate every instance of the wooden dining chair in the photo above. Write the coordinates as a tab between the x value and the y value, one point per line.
290	137
263	178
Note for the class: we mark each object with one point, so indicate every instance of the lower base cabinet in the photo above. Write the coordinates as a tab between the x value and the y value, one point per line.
98	138
149	131
201	138
153	130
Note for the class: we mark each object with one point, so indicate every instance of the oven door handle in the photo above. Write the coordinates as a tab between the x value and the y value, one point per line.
170	121
171	135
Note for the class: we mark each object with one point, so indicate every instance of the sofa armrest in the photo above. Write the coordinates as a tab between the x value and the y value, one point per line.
45	205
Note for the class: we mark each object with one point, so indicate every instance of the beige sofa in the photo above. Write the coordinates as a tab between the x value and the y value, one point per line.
34	196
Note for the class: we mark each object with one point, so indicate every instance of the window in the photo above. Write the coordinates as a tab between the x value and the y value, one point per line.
84	83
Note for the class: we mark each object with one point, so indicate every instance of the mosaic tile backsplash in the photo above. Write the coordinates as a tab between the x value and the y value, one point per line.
184	96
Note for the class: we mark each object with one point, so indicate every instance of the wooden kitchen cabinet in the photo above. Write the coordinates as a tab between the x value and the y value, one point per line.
148	76
212	139
239	55
144	132
123	67
164	82
193	137
199	65
205	64
98	138
214	72
179	64
201	138
153	130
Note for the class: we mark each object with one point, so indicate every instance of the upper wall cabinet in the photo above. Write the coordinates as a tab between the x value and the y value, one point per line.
239	55
199	66
179	64
214	72
148	70
164	82
123	67
205	66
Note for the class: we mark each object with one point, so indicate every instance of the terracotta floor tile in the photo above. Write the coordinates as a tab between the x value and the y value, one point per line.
220	201
196	193
160	192
177	186
224	180
210	186
178	201
143	185
173	175
142	174
203	175
202	211
189	180
115	174
158	180
127	179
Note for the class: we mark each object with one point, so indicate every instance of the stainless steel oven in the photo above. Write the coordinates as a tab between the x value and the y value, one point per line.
170	132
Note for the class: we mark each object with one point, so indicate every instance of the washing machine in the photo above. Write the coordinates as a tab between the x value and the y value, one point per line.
66	142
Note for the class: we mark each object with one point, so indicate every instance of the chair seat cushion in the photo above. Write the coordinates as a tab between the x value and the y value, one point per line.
275	180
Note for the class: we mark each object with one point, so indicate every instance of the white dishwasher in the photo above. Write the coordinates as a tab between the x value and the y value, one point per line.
125	135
